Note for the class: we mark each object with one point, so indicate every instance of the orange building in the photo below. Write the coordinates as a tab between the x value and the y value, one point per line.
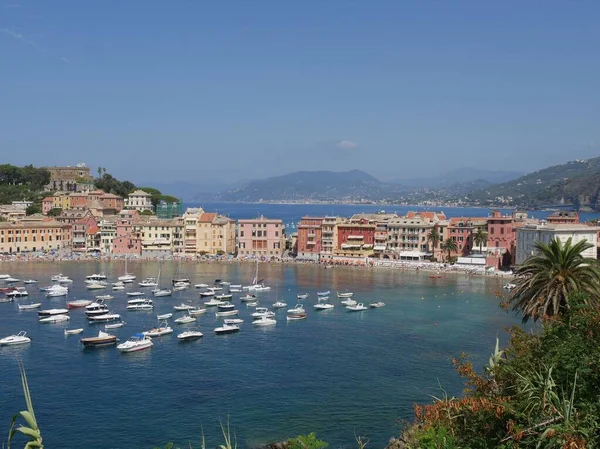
310	234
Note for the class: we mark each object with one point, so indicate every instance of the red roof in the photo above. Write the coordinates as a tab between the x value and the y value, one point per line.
207	217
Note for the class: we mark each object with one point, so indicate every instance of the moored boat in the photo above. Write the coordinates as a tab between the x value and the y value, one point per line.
78	304
189	335
18	292
302	295
103	339
345	294
264	321
19	339
36	305
105	318
73	331
227	313
377	304
227	329
134	294
196	312
137	342
54	319
297	313
164	316
51	312
186	319
233	321
115	325
162	329
279	305
323	293
357	307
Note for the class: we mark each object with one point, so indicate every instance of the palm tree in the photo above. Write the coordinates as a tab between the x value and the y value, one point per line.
479	238
434	238
448	245
549	283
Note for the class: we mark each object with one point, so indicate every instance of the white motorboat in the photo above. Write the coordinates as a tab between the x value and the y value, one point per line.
227	313
50	312
297	313
509	286
4	276
348	302
78	304
186	319
234	286
181	285
345	295
261	312
139	301
196	312
118	287
105	297
260	288
302	295
148	282
264	321
246	298
64	280
178	288
190	335
6	299
227	329
176	281
164	316
118	284
377	304
11	280
104	318
224	296
96	305
137	342
226	283
357	307
216	289
73	331
35	305
18	292
184	307
115	325
201	286
323	293
208	292
233	321
251	304
96	285
162	329
96	277
141	306
55	319
212	302
322	304
162	292
56	291
279	305
127	278
235	290
103	339
19	339
29	281
225	305
134	294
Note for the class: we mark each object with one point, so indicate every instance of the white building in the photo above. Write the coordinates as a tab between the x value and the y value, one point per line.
140	201
528	235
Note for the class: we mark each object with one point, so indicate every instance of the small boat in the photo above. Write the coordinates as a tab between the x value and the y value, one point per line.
18	292
297	313
252	304
509	286
11	280
57	292
261	312
190	335
143	306
137	342
19	339
227	313
377	304
185	281
164	316
96	277
30	306
78	304
235	286
233	321
162	329
260	288
115	325
118	284
105	297
29	281
248	298
73	331
196	312
118	287
55	319
7	299
323	293
201	286
50	312
64	280
224	296
56	277
148	282
357	307
302	296
183	306
4	276
162	292
227	329
216	289
435	276
96	305
104	318
186	319
139	301
178	288
322	304
103	339
135	294
279	305
212	302
348	302
345	295
235	290
264	321
207	293
225	305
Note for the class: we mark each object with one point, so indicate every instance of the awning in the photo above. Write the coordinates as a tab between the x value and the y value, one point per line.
411	254
346	246
355	237
379	248
367	246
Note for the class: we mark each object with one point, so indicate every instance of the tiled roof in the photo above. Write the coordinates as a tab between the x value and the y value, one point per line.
207	217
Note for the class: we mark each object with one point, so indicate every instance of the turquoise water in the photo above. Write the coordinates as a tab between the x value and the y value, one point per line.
337	373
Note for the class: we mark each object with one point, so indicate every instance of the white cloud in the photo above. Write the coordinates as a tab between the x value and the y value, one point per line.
346	144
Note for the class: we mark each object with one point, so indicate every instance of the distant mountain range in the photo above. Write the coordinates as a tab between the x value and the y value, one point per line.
461	176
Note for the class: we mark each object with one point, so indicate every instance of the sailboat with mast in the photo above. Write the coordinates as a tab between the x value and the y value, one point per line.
127	278
257	285
160	291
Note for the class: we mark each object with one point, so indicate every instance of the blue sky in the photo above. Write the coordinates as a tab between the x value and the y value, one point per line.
207	89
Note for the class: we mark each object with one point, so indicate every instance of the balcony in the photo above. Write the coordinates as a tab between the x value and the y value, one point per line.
313	235
355	237
310	243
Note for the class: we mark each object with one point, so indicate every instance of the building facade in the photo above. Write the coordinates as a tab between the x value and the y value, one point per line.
32	234
502	240
309	243
261	237
159	237
140	201
355	239
69	179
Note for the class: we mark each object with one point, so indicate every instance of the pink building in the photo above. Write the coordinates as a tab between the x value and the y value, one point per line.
47	204
124	242
309	240
261	237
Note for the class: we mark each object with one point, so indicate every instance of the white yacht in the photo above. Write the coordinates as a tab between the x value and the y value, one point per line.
96	277
19	339
29	281
146	305
127	278
30	306
78	303
162	329
54	319
377	304
148	282
137	342
348	302
262	312
189	335
233	321
227	329
96	285
50	312
186	319
264	321
357	307
105	297
183	307
212	302
227	313
323	304
11	280
297	313
279	305
302	295
164	316
134	294
139	301
18	292
345	295
246	298
162	292
201	286
323	293
196	312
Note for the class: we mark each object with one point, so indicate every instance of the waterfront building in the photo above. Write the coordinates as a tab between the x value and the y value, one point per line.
140	201
355	238
380	220
108	231
407	236
159	237
309	238
71	216
69	179
329	236
261	237
34	233
461	230
190	221
563	217
502	240
528	235
125	242
84	234
12	213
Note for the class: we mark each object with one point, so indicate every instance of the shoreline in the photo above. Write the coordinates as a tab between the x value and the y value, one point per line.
431	268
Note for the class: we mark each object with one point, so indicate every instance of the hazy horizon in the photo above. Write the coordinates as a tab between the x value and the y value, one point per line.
237	90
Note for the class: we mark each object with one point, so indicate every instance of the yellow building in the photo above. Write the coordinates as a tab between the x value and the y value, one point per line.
34	233
190	221
61	200
159	237
208	233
